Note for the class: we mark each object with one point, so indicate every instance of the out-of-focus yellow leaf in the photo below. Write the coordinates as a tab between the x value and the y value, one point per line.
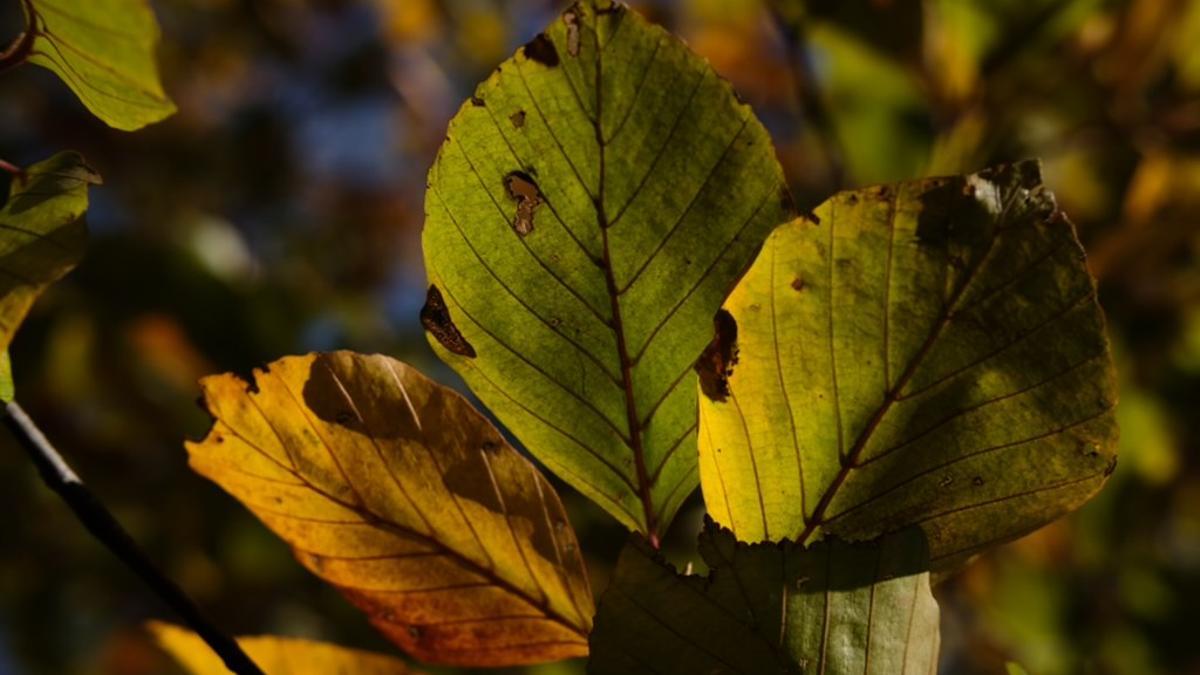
282	655
399	493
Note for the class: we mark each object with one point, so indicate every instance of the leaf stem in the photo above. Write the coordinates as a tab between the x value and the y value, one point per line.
59	477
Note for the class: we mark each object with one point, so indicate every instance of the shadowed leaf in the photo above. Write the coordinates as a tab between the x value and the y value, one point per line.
591	207
42	236
273	654
104	51
929	353
771	608
396	491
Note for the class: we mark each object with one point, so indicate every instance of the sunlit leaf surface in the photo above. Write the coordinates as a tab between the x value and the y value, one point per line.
292	656
928	353
591	207
771	608
104	50
396	491
42	236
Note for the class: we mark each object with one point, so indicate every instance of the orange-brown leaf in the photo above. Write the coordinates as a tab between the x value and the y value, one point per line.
398	492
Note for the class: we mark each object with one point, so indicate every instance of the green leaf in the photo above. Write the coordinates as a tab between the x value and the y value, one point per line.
771	608
395	490
42	236
592	205
104	51
928	353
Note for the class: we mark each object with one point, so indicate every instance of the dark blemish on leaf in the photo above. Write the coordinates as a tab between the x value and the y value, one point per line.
977	481
517	119
883	192
787	203
756	307
435	317
344	417
945	482
737	95
1112	466
414	632
477	102
608	7
542	50
555	322
490	446
715	365
852	198
798	284
525	192
571	18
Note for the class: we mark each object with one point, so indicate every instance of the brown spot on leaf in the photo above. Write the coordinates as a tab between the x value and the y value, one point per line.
571	19
787	203
435	317
798	284
517	119
716	363
477	101
525	192
542	50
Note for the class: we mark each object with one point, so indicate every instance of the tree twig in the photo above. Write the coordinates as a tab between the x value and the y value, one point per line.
58	476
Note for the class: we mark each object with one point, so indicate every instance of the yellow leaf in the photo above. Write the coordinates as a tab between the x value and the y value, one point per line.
275	655
398	492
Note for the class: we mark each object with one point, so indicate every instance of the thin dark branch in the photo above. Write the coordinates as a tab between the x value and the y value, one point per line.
59	477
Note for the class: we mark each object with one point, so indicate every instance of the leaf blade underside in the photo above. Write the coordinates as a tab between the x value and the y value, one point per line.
104	50
396	491
275	654
771	608
929	353
583	223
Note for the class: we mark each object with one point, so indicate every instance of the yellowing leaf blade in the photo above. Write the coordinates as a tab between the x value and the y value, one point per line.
395	490
928	353
590	208
274	654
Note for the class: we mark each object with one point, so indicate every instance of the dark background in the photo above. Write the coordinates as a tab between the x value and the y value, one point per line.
280	210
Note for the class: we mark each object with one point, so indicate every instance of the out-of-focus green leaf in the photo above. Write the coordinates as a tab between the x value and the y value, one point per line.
104	51
928	353
42	236
771	608
283	655
591	207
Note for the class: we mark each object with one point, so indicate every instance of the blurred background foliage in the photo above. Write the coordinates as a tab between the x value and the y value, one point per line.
280	211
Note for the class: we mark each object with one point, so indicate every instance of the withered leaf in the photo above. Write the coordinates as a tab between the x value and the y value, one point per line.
396	491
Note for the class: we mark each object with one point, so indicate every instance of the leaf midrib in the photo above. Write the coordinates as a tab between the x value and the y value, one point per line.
645	484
